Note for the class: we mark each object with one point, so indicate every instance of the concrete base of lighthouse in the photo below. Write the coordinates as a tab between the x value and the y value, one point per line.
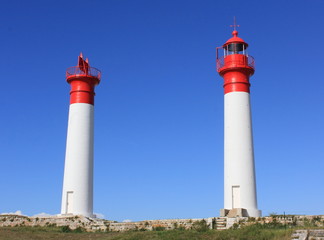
240	212
72	215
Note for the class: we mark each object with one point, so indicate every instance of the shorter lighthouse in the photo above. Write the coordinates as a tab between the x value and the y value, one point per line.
77	195
236	67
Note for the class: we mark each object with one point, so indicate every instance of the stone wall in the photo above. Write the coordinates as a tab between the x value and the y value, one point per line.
309	234
72	221
95	224
167	224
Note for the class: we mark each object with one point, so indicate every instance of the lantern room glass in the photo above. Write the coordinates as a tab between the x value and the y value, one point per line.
235	48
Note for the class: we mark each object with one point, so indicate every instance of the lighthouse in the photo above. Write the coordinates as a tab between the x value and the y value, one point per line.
236	67
77	195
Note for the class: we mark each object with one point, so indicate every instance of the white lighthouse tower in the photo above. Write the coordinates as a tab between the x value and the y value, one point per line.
77	195
236	67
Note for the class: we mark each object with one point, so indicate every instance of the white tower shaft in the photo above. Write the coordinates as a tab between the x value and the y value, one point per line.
239	170
78	173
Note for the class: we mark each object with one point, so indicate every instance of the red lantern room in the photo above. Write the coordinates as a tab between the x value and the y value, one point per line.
236	66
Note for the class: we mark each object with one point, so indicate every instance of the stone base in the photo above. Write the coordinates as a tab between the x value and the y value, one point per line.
223	212
232	213
240	212
73	215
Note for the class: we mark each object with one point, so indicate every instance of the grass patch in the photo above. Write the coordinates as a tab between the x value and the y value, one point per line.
253	232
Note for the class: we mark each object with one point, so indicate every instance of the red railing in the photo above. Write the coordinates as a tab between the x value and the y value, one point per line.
220	63
77	71
249	61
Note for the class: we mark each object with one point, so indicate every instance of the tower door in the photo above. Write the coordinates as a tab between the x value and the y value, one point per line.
236	197
69	202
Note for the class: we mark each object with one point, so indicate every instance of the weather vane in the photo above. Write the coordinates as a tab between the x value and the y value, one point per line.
234	25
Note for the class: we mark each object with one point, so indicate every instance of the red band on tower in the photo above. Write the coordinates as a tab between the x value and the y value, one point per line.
82	90
236	82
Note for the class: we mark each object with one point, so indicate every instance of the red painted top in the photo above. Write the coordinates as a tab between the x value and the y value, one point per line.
236	66
83	80
235	39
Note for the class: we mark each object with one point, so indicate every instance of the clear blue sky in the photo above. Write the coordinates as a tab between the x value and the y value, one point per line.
159	107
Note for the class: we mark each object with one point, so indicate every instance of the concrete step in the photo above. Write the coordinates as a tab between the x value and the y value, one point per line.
221	223
300	235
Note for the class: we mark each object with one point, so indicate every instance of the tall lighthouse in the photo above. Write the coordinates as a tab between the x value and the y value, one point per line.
236	67
77	195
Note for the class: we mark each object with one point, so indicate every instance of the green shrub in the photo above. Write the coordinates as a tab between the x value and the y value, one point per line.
175	225
66	229
159	228
181	228
79	230
251	219
200	226
235	226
